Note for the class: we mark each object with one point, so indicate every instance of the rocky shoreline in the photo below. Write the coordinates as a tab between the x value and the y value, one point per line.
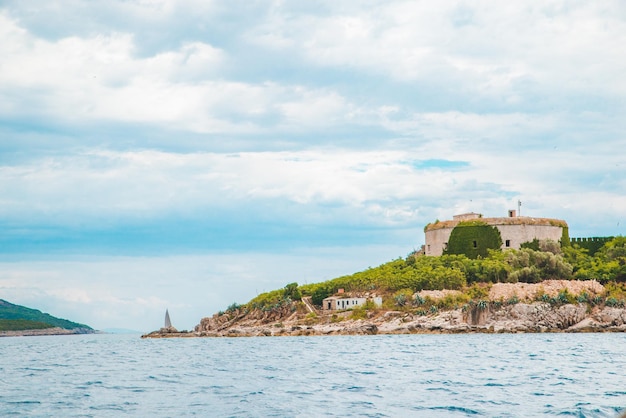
534	317
509	308
46	331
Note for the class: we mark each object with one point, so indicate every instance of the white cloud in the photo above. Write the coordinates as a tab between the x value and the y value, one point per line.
151	183
481	48
100	78
323	186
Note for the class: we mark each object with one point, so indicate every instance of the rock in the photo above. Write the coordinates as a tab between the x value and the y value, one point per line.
369	329
168	330
611	316
492	317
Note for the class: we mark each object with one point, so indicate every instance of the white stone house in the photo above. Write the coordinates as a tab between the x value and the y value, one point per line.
338	303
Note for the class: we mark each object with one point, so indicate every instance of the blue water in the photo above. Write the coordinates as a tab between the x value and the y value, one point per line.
520	375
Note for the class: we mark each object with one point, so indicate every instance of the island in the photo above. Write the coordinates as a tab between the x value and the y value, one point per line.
474	274
16	320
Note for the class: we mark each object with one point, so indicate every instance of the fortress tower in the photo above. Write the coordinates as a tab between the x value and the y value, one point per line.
514	230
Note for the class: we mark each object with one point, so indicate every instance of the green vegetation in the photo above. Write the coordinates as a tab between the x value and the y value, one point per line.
358	313
591	244
9	311
414	273
607	264
22	325
398	280
474	239
292	292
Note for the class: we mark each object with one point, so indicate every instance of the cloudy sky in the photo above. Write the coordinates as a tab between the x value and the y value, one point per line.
189	154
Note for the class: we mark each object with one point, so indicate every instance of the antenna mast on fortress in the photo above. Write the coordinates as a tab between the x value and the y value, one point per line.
519	207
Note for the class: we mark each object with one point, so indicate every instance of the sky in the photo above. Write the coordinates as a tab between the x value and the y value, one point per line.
189	154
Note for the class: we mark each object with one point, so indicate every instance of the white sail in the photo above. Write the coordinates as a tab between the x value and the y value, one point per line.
168	323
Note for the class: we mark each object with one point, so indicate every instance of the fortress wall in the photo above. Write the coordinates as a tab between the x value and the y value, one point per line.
436	240
519	234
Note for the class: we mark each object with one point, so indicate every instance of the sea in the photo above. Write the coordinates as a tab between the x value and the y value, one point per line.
477	375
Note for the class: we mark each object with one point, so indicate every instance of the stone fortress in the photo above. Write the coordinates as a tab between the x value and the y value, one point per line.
514	230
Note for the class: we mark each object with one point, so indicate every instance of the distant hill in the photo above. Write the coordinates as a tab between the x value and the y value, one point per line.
16	317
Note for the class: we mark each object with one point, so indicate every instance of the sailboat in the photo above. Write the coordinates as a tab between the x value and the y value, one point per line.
168	323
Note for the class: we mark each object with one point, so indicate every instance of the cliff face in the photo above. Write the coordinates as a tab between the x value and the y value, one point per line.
521	317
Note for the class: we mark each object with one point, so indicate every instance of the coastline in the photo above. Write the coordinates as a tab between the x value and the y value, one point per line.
46	331
505	308
536	317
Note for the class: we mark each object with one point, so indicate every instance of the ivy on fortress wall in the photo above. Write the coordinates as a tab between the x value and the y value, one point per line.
474	239
565	240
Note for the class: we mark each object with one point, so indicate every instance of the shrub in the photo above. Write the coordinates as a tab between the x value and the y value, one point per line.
292	292
478	291
320	293
369	305
614	303
533	266
452	301
597	300
358	313
583	297
418	300
513	300
526	275
402	297
267	300
616	290
233	307
563	297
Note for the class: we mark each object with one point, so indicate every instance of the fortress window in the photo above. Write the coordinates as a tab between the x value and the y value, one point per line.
475	244
445	246
508	243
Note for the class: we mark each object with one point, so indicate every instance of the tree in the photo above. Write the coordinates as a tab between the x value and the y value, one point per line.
320	293
292	292
532	266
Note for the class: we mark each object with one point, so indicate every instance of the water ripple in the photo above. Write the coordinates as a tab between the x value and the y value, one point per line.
340	376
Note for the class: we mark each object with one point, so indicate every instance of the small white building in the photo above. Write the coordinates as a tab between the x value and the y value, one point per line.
339	303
